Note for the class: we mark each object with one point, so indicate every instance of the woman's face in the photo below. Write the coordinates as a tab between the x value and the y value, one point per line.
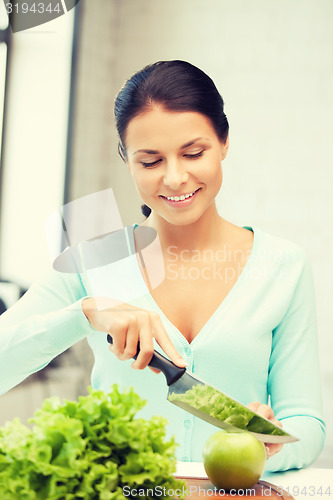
175	160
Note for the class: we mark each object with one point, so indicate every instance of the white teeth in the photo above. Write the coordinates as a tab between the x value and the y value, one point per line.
180	198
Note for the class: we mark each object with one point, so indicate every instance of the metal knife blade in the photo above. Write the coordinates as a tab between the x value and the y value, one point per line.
182	394
177	394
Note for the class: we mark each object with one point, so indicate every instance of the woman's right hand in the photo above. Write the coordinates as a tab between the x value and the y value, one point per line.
129	325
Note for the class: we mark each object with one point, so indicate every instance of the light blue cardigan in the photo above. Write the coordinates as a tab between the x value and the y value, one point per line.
260	343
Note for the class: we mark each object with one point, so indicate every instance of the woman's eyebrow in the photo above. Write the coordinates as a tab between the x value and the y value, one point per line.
155	152
148	151
193	141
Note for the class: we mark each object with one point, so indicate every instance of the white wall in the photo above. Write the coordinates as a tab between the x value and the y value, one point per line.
35	148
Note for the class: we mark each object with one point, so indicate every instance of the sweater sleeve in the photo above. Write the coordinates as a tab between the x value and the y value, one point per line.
294	376
46	321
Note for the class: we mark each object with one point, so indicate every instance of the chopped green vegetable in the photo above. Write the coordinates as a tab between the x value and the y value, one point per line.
88	449
211	401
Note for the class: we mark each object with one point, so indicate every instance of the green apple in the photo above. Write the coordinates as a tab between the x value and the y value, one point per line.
234	460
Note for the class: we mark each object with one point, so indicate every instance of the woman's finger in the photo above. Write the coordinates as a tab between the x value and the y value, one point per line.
118	343
146	343
272	449
254	405
121	324
265	411
131	342
155	370
164	341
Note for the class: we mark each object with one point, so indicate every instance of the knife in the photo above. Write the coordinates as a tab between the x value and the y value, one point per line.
195	396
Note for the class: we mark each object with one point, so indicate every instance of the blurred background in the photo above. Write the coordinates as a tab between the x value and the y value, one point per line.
273	64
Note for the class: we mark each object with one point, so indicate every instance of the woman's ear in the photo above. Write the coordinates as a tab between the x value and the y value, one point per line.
224	148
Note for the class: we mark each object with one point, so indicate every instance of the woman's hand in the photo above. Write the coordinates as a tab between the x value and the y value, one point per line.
267	412
129	325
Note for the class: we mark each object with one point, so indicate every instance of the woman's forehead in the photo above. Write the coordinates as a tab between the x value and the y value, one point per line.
158	126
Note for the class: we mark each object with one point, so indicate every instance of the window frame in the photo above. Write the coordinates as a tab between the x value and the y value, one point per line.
5	37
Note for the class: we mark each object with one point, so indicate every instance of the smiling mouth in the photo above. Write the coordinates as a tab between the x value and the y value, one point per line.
181	197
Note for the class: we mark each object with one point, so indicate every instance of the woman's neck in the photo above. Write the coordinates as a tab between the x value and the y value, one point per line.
206	232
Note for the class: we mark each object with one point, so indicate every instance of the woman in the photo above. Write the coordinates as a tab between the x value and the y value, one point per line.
236	304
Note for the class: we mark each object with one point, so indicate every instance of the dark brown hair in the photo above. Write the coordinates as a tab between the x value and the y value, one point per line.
177	86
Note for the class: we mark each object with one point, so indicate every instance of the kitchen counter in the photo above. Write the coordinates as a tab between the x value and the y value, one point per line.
309	483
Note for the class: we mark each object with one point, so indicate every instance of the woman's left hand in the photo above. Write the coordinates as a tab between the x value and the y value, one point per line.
267	412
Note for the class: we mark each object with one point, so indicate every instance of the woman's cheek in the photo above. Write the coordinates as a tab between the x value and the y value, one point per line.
146	184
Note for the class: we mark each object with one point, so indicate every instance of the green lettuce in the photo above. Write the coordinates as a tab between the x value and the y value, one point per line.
216	404
87	449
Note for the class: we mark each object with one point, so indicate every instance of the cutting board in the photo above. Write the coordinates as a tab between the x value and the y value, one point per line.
203	488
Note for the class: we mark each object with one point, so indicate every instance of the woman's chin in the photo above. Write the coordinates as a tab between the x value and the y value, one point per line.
183	219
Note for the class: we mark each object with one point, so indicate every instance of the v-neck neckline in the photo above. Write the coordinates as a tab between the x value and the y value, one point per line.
197	339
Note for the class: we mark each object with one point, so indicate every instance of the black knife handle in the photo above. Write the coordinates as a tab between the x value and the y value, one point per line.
171	371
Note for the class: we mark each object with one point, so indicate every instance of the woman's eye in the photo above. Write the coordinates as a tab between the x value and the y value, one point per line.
195	155
150	164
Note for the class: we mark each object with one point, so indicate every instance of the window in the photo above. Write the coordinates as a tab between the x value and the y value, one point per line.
33	158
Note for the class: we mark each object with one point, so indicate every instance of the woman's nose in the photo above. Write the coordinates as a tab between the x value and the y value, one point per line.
175	175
